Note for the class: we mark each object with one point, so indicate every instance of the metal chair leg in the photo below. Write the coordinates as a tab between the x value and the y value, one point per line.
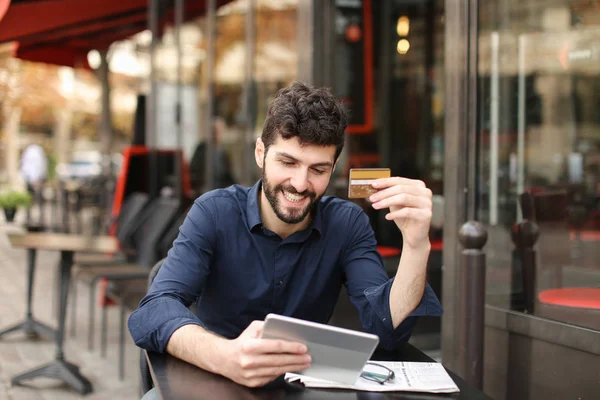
91	316
122	343
56	297
103	329
73	306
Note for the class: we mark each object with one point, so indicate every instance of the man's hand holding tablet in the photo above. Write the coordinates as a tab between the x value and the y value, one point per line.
254	361
338	354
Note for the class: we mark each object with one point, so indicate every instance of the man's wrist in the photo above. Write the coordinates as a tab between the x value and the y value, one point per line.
423	246
218	362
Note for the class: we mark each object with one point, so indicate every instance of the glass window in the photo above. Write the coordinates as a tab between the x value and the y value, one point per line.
229	83
275	60
394	47
539	141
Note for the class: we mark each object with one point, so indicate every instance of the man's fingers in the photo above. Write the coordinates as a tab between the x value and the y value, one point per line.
269	346
273	360
410	213
383	183
271	373
400	189
403	200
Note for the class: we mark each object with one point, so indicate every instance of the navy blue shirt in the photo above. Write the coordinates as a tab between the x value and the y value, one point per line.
237	271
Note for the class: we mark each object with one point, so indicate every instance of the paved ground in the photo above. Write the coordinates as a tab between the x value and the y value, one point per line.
19	354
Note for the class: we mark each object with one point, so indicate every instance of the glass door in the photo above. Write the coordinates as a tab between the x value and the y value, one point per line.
537	191
539	154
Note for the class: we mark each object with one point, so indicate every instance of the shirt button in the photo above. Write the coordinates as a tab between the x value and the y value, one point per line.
280	283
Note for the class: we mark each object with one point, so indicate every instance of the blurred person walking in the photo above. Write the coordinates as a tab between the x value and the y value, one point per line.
34	169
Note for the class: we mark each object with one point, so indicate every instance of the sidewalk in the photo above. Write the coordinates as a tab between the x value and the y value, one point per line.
19	354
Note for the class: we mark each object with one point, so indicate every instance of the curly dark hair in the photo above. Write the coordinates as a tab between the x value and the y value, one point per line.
312	114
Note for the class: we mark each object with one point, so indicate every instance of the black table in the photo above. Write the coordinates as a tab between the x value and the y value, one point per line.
177	380
67	244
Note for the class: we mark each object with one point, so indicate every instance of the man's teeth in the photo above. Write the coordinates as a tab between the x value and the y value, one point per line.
293	197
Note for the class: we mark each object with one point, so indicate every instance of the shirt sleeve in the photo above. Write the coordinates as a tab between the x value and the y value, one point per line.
369	288
178	284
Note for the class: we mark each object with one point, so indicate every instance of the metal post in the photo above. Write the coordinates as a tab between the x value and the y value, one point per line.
151	105
472	236
524	236
521	123
179	10
250	100
305	27
385	69
456	116
211	19
494	127
31	258
106	126
66	262
473	104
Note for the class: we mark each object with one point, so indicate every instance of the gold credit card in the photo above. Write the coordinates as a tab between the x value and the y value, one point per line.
361	180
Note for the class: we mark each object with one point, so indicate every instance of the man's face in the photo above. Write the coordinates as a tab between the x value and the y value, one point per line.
294	177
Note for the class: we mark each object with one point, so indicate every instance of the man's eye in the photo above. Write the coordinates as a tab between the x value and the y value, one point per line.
318	171
287	162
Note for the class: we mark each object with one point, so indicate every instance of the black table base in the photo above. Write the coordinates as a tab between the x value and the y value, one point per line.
61	370
32	329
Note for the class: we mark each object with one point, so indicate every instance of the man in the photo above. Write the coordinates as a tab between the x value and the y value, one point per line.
281	247
34	169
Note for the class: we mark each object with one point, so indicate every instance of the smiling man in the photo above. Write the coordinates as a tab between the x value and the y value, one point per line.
282	247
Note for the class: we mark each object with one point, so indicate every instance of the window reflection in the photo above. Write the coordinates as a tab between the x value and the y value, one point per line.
275	60
540	154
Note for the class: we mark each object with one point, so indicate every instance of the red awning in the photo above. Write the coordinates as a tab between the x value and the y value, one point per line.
3	7
64	31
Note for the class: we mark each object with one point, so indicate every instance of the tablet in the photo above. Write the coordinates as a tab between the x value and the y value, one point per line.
337	354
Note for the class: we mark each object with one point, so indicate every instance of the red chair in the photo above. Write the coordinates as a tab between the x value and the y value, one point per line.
579	305
588	298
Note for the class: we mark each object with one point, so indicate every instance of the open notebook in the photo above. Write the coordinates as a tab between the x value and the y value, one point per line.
408	377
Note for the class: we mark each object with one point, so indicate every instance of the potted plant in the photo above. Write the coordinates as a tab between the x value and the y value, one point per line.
11	200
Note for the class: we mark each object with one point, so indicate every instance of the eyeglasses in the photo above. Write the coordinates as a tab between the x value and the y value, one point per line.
378	373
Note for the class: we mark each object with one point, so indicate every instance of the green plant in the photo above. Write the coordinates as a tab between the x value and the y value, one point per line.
14	199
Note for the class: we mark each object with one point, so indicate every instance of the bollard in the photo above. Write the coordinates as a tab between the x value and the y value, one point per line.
524	236
472	236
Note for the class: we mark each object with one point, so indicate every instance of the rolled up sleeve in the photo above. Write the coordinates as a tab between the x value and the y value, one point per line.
178	284
369	289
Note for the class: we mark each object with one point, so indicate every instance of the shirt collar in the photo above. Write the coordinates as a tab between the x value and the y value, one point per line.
253	211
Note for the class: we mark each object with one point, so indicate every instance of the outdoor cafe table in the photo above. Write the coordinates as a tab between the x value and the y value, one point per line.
177	380
67	244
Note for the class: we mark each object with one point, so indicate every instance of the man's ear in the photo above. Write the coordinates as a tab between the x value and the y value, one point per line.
259	153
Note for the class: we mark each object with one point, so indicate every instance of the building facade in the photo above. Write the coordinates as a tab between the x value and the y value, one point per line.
494	104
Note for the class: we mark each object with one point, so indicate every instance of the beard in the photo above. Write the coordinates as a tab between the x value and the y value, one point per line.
287	214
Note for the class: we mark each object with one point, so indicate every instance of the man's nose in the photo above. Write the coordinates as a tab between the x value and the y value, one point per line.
300	180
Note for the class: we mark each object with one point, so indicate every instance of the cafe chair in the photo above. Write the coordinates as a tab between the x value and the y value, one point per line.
122	226
146	382
128	293
149	228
